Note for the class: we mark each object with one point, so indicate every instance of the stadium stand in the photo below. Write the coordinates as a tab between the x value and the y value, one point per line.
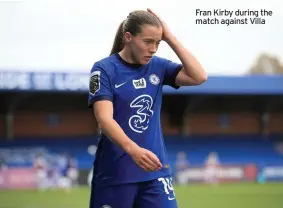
240	118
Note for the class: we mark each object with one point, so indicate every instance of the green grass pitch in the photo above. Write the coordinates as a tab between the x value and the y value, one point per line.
192	196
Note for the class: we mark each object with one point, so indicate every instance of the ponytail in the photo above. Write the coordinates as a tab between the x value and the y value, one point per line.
118	44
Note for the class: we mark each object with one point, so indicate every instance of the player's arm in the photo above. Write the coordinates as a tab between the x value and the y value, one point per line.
103	111
192	72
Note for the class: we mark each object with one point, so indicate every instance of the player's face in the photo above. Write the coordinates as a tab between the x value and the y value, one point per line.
145	44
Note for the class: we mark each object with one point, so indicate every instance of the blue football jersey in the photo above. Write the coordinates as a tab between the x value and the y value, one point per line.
136	93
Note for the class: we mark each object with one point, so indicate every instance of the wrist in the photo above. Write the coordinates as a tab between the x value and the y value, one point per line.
169	38
130	148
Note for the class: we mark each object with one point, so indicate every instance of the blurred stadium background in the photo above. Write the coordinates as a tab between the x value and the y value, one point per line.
224	139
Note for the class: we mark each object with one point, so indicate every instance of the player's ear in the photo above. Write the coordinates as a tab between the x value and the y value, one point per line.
128	37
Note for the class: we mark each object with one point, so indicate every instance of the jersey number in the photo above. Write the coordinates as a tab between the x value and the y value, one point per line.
168	187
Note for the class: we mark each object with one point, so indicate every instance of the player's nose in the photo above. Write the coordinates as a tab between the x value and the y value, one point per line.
152	50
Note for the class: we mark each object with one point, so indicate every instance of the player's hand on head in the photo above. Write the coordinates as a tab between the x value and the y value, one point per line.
166	32
146	159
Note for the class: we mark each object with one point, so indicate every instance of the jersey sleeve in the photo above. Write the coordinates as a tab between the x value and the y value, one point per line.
171	71
99	85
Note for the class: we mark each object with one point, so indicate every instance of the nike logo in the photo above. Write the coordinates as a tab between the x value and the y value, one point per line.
171	198
119	85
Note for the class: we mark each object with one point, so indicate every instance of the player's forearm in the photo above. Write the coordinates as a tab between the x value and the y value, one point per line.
191	65
114	132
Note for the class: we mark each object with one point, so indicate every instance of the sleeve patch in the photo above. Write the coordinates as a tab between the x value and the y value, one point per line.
94	82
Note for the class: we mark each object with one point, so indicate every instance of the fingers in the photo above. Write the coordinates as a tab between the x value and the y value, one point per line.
150	162
150	11
154	159
146	159
146	166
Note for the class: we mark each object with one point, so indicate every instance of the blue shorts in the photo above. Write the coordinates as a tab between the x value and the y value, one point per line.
157	193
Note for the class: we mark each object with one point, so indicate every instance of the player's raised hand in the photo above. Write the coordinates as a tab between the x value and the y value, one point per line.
145	159
166	32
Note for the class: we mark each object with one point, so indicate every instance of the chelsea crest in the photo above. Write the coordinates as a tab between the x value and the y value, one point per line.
154	79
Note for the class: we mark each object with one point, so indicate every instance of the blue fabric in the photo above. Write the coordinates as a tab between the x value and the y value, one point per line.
136	93
158	193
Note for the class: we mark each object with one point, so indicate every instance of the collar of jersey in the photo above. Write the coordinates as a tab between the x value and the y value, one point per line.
127	63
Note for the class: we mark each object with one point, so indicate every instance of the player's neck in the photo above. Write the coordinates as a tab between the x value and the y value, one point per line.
127	56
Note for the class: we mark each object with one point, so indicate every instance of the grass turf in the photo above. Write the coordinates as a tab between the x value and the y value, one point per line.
192	196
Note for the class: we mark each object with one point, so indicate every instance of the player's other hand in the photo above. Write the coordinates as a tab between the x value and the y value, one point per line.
166	32
145	159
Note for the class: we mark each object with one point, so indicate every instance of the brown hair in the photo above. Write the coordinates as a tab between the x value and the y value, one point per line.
133	25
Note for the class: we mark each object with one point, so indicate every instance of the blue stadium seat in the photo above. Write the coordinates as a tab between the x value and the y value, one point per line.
232	150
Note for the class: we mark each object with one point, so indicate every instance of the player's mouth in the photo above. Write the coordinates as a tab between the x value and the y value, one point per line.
148	57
